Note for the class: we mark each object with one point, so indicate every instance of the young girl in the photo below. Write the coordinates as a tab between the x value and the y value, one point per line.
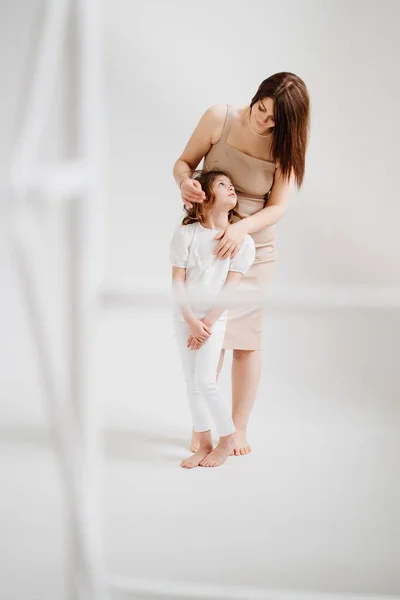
199	322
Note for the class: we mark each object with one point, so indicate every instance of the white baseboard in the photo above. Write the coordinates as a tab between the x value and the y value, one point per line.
125	588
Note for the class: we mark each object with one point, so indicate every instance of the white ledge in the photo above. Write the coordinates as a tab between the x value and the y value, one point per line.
149	296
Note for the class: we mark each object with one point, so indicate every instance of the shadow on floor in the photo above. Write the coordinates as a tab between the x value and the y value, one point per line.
119	443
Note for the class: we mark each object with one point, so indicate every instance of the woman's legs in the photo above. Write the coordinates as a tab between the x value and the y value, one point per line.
246	372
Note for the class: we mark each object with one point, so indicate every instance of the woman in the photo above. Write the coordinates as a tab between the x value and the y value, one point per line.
262	147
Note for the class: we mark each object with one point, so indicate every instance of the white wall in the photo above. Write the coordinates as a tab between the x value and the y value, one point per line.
167	62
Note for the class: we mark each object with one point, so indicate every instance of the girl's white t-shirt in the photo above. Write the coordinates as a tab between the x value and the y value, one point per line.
192	248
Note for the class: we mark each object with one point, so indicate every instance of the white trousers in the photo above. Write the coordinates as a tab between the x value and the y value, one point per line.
200	370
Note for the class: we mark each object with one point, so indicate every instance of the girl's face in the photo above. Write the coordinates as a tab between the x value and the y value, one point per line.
225	195
262	115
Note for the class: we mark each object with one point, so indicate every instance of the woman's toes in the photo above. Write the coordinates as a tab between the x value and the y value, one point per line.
242	446
242	450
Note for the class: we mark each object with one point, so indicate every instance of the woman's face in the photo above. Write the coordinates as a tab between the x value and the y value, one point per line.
225	195
262	115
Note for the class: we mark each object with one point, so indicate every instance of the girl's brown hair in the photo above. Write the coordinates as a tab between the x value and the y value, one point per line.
292	121
199	211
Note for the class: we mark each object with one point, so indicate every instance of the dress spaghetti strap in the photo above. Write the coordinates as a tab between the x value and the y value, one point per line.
227	123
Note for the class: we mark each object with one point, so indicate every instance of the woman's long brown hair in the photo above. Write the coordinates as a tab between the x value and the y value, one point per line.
200	210
292	121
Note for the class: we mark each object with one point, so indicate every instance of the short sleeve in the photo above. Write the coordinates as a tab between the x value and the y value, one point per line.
179	246
243	260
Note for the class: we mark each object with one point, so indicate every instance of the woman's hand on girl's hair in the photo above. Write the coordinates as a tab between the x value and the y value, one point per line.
230	240
191	191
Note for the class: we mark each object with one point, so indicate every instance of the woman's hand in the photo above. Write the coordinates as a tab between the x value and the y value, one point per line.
230	240
191	191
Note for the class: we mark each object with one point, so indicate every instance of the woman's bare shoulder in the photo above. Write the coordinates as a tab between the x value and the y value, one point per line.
215	116
217	111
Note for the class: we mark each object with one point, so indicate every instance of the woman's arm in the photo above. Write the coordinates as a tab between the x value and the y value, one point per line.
276	207
231	238
207	133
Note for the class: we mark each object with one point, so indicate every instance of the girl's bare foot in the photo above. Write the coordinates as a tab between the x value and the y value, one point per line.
195	443
218	456
241	444
205	447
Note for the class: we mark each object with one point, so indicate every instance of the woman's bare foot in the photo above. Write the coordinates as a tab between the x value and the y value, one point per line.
242	446
218	456
195	443
205	447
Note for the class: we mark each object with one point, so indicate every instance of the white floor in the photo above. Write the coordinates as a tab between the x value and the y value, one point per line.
314	507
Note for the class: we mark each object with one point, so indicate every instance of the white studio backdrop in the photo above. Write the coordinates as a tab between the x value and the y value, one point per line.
165	63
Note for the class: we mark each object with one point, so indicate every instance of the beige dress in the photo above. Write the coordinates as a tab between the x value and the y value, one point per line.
253	179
